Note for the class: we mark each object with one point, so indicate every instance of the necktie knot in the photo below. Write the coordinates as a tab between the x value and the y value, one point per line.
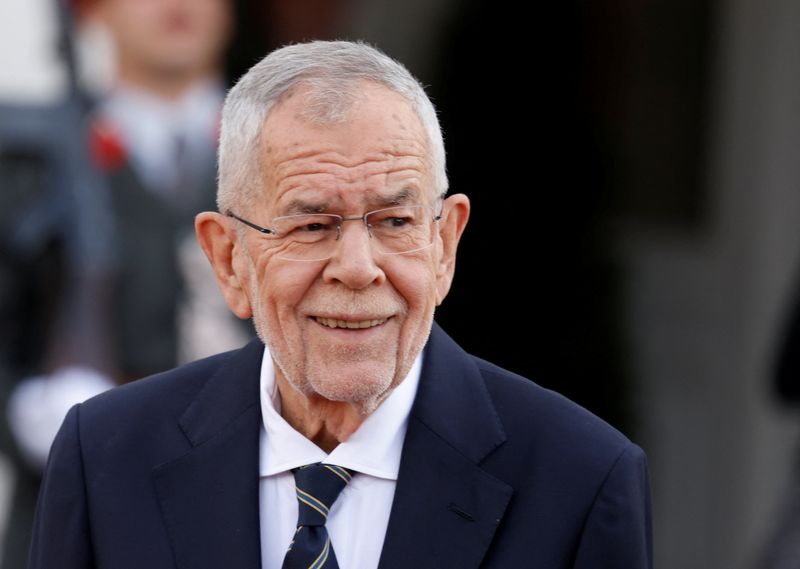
317	487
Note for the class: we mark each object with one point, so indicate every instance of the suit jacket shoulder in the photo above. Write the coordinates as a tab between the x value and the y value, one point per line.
507	474
159	473
165	394
548	425
495	472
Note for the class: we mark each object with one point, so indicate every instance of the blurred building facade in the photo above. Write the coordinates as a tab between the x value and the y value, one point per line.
707	307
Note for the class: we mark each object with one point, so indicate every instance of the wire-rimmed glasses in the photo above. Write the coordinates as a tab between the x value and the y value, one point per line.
396	230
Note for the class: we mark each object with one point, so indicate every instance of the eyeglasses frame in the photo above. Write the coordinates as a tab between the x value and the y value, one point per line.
342	219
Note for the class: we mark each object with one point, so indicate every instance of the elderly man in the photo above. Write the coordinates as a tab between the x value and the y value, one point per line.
362	436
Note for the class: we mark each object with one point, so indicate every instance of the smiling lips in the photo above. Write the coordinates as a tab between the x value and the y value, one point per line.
350	324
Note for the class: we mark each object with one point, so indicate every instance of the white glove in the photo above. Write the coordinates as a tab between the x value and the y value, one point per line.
38	405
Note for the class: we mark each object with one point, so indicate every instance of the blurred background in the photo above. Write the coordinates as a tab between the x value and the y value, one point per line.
634	169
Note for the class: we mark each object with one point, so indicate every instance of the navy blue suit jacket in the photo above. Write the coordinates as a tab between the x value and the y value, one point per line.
496	472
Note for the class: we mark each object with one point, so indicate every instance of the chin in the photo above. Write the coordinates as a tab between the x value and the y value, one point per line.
364	386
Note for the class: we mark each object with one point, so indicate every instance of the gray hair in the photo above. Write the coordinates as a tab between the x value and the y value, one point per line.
332	71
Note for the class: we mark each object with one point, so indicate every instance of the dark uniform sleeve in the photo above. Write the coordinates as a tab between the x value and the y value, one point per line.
61	533
618	530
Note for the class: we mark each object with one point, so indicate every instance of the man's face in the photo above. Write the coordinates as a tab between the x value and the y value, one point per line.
349	168
168	36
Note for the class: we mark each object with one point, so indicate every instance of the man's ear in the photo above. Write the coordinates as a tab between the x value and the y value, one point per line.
455	215
220	243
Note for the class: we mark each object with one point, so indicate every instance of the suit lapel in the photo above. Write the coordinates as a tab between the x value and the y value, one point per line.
446	508
209	496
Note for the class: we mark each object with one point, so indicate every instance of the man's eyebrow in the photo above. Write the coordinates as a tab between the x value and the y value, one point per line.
401	197
303	207
299	207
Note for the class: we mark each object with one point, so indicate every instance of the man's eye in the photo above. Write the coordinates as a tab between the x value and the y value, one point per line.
396	221
312	227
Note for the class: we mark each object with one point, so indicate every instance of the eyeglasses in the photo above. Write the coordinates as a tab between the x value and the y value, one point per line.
312	237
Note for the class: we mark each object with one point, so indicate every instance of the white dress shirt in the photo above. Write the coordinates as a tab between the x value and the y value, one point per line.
358	519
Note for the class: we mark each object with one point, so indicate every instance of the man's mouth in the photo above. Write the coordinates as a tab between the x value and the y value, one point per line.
349	324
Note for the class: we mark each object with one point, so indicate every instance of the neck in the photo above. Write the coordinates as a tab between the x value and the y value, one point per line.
165	84
325	423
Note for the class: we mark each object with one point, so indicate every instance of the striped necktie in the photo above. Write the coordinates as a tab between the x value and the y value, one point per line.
317	485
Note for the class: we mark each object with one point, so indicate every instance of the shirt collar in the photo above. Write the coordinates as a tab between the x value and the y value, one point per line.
153	129
374	448
136	109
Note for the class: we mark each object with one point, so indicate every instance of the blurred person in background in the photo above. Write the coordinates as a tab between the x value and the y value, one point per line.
155	136
55	254
54	294
152	137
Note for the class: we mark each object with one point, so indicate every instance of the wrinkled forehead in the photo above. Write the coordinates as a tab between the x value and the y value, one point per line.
324	102
338	103
322	146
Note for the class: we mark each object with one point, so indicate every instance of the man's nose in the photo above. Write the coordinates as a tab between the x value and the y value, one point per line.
353	261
